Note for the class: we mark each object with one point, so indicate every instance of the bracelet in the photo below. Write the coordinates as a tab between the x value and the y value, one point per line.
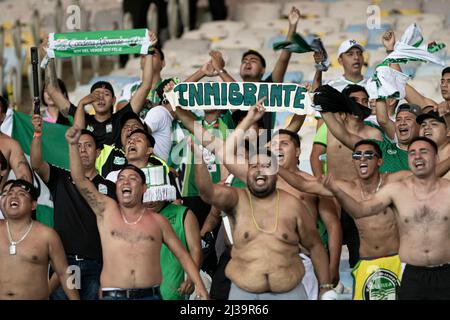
37	134
221	71
389	51
326	286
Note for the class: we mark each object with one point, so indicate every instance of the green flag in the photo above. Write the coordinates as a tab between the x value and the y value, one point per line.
54	151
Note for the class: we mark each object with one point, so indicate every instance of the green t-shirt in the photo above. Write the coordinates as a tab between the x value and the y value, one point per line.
171	268
394	158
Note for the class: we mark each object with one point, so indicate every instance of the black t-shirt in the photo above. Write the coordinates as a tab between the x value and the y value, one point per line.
75	222
107	132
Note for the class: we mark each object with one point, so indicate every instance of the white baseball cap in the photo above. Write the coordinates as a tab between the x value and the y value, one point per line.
347	45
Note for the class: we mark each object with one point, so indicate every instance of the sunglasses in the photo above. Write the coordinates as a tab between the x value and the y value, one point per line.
357	155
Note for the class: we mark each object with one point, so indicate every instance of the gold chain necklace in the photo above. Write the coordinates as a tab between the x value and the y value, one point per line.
276	216
376	190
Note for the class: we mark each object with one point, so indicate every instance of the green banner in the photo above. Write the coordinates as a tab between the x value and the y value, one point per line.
109	42
54	144
280	97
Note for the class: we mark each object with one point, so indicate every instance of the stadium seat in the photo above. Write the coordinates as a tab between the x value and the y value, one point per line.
308	9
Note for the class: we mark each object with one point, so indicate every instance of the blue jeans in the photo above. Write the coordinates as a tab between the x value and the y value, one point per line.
90	280
155	295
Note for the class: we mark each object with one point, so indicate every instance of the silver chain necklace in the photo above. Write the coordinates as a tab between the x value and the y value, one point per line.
12	244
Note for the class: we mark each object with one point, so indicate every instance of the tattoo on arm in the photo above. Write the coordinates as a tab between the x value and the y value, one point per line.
93	201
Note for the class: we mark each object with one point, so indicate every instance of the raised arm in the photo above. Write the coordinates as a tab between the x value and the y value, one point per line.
174	244
51	83
384	120
339	131
38	164
222	197
282	63
219	66
380	200
235	165
97	201
18	162
137	101
311	185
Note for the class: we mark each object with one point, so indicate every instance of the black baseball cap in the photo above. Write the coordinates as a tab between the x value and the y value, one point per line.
410	107
256	53
430	115
25	185
103	84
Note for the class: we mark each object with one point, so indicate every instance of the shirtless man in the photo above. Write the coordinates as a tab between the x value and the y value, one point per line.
378	234
422	220
12	150
286	146
268	226
27	247
131	235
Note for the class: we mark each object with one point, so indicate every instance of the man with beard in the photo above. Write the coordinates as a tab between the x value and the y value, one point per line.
131	234
27	247
268	226
422	221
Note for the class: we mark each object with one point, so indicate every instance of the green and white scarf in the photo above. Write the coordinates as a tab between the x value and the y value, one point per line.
389	83
109	42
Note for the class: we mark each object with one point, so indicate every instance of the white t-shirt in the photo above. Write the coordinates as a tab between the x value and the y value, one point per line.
159	120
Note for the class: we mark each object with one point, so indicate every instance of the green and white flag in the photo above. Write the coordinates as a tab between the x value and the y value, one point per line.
280	97
109	42
54	151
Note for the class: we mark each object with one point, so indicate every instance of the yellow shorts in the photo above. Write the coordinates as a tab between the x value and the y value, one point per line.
377	279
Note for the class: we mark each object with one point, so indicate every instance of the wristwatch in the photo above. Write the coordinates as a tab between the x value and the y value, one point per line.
326	286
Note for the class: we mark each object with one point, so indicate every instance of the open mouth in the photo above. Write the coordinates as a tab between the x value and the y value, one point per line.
126	192
356	65
260	180
363	168
427	134
14	204
419	164
403	131
132	149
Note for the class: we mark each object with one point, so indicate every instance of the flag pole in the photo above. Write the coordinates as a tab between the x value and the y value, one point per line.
36	93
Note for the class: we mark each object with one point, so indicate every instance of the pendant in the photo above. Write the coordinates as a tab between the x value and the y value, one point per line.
12	249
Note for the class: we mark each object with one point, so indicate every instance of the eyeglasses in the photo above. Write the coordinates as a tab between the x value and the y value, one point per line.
357	155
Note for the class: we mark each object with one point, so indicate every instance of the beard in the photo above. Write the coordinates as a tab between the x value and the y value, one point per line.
262	193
